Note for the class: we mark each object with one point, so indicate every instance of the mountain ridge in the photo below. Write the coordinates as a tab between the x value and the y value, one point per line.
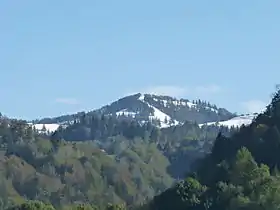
162	111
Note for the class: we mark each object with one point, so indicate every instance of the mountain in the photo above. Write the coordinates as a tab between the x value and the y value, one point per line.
105	157
162	111
137	162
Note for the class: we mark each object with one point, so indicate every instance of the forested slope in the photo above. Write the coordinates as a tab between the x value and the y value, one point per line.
240	173
96	160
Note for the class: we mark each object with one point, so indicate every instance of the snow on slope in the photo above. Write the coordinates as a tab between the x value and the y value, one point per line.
159	115
234	122
49	127
126	113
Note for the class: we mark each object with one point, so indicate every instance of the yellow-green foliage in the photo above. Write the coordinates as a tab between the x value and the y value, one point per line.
65	172
43	145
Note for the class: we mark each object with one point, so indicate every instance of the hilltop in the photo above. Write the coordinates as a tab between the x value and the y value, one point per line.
161	111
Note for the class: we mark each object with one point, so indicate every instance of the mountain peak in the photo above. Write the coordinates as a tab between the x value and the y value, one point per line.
162	111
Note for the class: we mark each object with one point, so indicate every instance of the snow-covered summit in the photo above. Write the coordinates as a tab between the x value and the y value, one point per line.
165	111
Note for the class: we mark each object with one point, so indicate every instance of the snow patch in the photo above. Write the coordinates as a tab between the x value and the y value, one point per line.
126	113
159	115
183	103
165	102
212	109
234	122
162	117
191	105
142	97
49	127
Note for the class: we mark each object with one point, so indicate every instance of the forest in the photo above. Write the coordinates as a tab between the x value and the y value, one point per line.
122	165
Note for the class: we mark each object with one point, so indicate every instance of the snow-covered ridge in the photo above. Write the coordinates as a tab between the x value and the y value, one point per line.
234	122
169	101
160	111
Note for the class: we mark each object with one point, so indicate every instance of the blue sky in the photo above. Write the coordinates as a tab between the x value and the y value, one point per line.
60	57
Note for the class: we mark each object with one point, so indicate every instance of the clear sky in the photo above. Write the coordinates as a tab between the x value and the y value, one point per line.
64	56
